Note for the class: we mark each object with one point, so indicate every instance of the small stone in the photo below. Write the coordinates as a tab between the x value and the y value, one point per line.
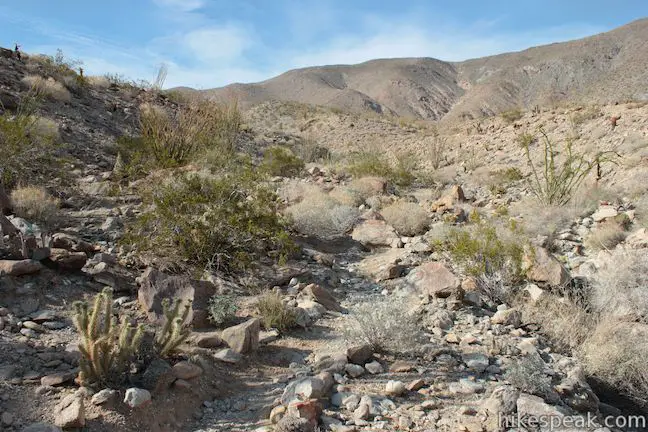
277	414
33	326
136	397
105	396
476	361
228	356
452	338
354	370
7	418
182	384
362	412
508	317
208	340
395	388
186	370
360	354
374	368
416	385
57	378
70	412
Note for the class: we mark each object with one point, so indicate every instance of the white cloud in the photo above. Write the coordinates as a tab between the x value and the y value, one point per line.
215	44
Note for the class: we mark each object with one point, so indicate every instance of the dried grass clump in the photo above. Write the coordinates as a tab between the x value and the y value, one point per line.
606	236
388	325
409	219
34	204
100	82
294	191
322	217
47	87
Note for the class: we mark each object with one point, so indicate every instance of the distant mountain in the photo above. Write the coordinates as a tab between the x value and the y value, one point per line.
608	67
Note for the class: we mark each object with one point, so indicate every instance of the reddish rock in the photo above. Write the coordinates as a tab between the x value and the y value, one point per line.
19	268
433	278
67	260
323	297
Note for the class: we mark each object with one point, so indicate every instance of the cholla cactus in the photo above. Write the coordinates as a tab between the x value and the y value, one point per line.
175	330
105	347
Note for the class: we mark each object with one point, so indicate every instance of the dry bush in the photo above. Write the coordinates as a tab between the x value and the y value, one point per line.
528	374
346	196
322	217
387	324
409	219
616	352
294	191
543	220
97	81
34	204
620	287
368	186
49	88
606	236
274	313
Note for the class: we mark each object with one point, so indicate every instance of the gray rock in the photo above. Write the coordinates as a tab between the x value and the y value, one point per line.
228	356
476	361
434	279
105	396
243	338
360	354
41	427
374	367
136	397
354	370
395	388
70	412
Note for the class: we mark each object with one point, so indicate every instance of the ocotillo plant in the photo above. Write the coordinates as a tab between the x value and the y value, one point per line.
105	347
175	330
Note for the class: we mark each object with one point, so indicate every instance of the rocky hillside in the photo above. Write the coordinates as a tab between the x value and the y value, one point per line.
607	67
438	291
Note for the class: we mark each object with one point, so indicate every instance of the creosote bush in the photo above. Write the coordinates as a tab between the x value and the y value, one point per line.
222	309
274	313
323	217
511	116
403	172
281	161
34	204
388	325
223	221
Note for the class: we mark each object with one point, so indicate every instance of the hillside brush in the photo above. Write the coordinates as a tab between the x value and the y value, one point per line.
175	329
106	347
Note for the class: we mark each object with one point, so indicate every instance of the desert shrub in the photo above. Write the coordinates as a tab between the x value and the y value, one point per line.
436	148
322	217
553	182
405	169
620	287
47	87
525	139
606	236
98	81
616	353
387	324
481	250
511	116
34	204
281	161
274	313
409	219
222	309
293	191
583	115
309	151
346	196
369	163
173	138
225	221
528	374
28	147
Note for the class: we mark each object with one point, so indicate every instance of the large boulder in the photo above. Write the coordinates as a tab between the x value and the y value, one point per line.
541	266
66	260
243	338
19	268
448	201
155	286
374	233
434	279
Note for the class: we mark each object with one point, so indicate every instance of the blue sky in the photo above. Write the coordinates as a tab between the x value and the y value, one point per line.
209	43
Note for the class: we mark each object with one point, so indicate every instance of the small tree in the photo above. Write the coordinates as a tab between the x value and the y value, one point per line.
553	182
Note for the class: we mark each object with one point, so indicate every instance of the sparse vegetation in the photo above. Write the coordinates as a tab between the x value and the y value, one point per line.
47	87
409	219
34	204
437	147
322	217
606	236
585	114
274	313
388	325
222	309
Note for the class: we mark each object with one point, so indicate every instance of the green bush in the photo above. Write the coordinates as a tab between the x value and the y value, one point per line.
281	161
512	115
222	309
28	146
482	251
225	221
368	163
274	313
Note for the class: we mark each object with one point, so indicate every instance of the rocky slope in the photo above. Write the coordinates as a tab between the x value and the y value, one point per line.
463	359
603	68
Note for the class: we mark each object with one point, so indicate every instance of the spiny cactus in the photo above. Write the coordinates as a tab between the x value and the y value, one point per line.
105	347
175	330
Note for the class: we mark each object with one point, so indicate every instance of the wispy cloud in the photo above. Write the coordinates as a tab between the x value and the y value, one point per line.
202	52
